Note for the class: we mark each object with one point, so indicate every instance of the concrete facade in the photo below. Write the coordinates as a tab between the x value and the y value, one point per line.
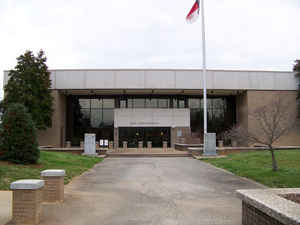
251	90
170	79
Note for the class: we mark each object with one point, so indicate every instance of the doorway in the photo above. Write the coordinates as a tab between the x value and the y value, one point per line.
135	134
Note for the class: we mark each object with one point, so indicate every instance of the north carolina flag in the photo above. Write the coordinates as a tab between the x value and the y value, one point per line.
194	13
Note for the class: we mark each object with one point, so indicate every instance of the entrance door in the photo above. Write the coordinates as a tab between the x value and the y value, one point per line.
135	134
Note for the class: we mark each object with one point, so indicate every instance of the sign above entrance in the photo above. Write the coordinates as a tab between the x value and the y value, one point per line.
151	117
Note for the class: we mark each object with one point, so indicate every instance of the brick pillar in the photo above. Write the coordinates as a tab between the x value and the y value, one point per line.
27	199
54	185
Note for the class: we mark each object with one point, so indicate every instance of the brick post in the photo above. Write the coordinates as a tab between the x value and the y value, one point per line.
27	199
54	185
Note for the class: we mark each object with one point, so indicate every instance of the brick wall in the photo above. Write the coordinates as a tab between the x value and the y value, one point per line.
253	216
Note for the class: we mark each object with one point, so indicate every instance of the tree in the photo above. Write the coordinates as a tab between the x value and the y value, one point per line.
271	122
29	84
18	136
297	70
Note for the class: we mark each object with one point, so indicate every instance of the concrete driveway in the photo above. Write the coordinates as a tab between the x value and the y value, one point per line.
156	191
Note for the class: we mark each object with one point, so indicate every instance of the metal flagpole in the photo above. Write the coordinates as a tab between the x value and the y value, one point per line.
204	67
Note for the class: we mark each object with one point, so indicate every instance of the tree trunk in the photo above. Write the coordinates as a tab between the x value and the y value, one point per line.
274	162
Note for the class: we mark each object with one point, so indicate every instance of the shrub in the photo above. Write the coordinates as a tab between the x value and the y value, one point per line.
18	136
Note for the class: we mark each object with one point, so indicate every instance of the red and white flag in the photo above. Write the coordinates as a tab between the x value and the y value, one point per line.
194	13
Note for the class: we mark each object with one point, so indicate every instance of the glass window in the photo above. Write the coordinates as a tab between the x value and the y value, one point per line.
130	102
175	103
108	117
108	103
84	103
123	103
96	117
151	103
163	103
181	103
194	103
139	103
96	103
85	113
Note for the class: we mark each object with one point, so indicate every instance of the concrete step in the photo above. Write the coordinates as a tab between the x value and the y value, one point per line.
145	154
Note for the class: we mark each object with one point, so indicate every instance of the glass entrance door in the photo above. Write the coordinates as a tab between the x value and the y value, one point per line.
135	134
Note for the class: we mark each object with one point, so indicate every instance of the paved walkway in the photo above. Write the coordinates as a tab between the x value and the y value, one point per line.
144	191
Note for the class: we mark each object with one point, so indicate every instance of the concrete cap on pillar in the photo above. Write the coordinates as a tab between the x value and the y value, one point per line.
27	184
53	173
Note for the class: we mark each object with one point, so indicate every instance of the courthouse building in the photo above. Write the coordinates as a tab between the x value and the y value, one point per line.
159	104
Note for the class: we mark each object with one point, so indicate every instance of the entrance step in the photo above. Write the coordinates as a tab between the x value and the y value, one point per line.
147	153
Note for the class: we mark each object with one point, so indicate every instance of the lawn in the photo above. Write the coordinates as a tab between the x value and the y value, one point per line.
74	165
258	166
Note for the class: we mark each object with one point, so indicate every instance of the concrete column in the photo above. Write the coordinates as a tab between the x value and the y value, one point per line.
27	199
54	185
116	137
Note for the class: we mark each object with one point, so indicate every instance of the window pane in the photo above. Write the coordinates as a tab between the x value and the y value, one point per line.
194	103
96	117
84	103
123	103
85	113
108	117
108	103
139	103
130	103
151	103
175	103
163	103
96	103
181	103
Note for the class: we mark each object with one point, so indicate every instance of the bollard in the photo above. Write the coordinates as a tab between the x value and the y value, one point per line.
165	145
140	145
54	185
124	144
27	199
68	144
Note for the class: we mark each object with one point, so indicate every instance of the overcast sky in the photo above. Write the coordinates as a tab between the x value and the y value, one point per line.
247	34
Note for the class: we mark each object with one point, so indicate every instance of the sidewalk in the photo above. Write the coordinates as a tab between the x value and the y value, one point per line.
5	206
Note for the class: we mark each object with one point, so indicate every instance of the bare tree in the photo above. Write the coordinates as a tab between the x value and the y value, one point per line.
269	123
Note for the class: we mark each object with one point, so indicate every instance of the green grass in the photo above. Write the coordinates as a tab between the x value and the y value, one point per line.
258	166
74	165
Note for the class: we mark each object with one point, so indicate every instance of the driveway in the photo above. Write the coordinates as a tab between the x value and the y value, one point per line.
144	191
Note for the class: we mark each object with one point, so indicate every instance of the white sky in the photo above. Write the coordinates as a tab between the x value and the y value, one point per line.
247	34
